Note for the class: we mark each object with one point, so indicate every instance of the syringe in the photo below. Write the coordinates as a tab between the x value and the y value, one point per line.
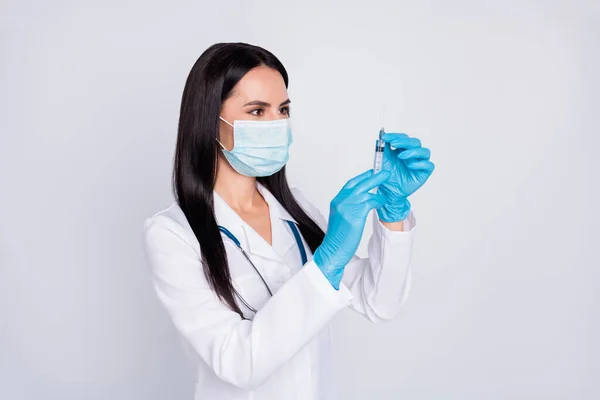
378	160
379	145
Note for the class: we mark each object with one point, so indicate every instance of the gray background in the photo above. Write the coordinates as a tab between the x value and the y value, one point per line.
505	300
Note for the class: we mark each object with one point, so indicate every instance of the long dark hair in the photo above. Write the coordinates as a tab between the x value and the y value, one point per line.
208	85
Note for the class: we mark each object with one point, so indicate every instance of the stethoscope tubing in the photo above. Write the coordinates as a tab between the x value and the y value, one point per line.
239	246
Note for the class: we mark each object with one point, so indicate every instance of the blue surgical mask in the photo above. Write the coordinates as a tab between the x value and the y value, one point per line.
260	148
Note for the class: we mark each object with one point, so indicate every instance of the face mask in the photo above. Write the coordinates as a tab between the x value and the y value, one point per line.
260	148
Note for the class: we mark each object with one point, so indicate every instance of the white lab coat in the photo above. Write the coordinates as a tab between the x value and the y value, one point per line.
283	351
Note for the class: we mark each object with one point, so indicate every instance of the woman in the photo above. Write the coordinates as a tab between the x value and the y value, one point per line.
241	262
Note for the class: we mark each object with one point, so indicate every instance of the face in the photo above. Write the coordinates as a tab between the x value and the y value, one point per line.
260	95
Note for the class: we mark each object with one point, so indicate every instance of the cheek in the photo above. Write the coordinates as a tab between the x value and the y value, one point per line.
226	138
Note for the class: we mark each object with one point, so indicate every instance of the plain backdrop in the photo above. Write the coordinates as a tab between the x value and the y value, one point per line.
505	302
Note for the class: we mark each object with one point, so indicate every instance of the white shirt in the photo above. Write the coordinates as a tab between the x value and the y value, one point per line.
283	351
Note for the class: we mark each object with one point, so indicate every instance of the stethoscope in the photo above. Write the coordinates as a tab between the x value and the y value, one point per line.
239	246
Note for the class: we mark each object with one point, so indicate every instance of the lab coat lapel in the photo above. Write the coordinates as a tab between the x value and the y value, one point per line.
229	219
257	246
281	237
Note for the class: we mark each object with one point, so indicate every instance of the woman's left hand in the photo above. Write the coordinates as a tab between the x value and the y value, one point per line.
410	168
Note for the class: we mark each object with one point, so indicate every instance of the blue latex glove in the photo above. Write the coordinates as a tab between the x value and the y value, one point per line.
409	167
347	217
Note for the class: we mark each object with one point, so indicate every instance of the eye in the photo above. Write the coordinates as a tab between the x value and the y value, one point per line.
259	112
285	110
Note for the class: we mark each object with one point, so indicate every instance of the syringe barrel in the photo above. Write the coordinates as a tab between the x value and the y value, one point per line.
378	159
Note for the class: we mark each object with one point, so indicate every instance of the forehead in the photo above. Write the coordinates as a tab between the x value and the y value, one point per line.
261	83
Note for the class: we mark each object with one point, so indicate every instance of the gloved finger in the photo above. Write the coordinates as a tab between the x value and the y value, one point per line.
389	136
357	179
416	153
404	143
371	182
366	197
368	201
421	165
373	203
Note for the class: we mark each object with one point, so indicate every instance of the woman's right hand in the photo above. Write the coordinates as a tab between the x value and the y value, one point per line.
347	217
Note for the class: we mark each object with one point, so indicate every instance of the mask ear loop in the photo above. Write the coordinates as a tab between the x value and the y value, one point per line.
223	147
221	144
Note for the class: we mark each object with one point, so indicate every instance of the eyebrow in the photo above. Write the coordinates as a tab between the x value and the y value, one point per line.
265	104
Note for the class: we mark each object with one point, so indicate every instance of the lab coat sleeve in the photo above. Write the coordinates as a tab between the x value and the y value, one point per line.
241	352
379	283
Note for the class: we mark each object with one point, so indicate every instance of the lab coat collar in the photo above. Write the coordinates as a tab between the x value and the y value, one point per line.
281	237
277	209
